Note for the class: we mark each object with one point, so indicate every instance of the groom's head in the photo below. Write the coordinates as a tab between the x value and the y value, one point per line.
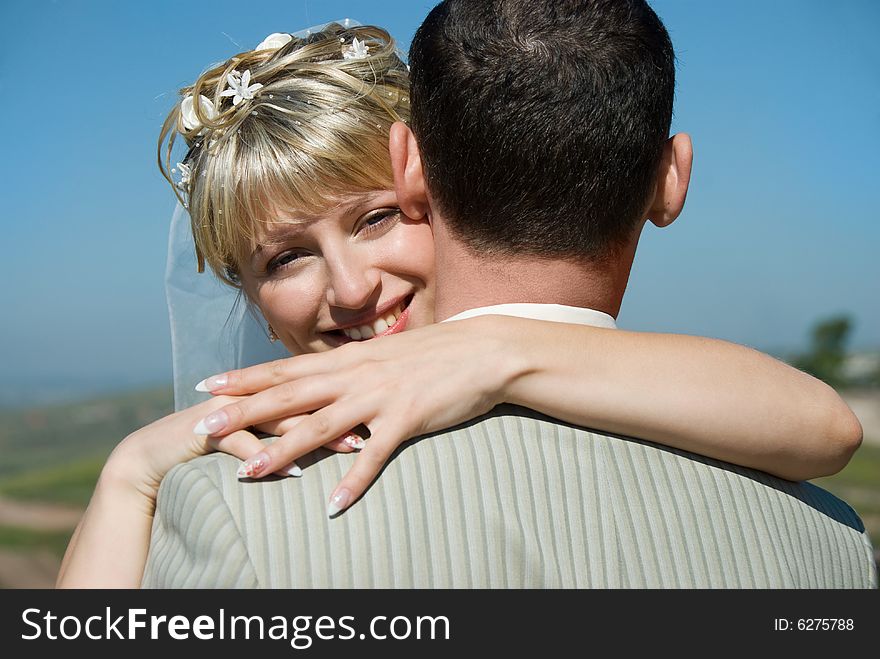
543	125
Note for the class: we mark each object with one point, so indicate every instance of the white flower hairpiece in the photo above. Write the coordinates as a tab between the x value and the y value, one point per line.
274	41
239	87
357	50
188	117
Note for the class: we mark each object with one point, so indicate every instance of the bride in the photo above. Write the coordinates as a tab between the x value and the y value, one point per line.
288	184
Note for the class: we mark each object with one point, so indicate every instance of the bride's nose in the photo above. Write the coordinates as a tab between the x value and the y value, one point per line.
351	283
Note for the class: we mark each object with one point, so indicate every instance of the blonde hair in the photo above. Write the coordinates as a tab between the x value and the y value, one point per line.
317	129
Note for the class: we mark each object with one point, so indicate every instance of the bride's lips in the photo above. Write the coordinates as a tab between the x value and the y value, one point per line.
392	320
399	325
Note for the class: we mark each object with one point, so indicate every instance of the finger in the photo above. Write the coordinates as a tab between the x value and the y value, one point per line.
345	444
283	400
278	427
317	430
349	442
366	468
240	444
243	444
252	379
290	469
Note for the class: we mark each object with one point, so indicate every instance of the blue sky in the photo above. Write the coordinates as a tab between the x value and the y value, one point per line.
782	100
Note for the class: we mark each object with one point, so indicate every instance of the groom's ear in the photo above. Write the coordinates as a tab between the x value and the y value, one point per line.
673	178
406	164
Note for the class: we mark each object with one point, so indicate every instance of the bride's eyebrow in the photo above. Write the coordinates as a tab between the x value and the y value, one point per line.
359	205
286	230
356	205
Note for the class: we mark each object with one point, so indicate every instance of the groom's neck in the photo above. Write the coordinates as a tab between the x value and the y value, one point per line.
466	280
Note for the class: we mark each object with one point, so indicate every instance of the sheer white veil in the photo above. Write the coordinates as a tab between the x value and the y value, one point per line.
213	329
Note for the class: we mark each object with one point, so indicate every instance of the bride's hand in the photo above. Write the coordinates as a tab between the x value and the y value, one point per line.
143	458
398	386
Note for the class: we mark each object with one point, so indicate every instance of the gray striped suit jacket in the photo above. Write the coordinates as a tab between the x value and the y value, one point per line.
512	500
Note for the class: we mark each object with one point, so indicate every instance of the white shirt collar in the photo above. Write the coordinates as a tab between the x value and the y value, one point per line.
555	312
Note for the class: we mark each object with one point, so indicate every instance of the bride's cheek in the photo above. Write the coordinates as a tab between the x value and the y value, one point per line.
293	307
412	250
422	247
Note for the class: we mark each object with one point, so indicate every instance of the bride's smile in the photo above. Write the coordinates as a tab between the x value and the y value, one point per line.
389	318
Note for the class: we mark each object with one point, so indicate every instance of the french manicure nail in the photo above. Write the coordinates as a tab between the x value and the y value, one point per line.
353	441
292	470
211	424
338	502
212	383
254	466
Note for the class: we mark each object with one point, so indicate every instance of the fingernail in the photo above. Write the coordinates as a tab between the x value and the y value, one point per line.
253	467
292	470
354	441
212	383
211	424
338	502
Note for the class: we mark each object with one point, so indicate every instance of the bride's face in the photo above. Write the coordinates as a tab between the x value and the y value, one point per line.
359	270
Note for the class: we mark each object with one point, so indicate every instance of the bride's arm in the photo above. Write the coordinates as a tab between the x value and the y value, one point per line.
707	396
703	395
109	547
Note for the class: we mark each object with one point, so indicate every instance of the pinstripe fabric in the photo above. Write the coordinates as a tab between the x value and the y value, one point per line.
515	500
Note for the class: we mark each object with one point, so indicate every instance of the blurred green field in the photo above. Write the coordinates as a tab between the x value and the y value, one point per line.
68	484
53	456
26	540
859	485
38	438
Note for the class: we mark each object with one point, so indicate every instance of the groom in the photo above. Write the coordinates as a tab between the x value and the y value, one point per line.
537	188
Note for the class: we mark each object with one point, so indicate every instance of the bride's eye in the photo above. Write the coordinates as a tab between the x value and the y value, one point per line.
283	260
380	219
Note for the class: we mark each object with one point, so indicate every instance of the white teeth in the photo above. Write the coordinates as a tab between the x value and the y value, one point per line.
369	331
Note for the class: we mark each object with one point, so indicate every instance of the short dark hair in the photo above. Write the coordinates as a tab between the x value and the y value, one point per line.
542	122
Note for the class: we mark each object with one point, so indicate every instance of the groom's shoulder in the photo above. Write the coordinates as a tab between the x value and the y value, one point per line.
624	453
193	491
214	471
654	470
717	519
